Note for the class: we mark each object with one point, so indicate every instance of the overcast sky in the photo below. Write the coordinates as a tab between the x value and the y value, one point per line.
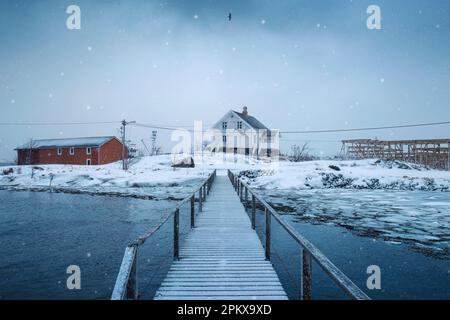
296	64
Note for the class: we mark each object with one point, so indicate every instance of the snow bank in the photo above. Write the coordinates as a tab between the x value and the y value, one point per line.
149	177
361	174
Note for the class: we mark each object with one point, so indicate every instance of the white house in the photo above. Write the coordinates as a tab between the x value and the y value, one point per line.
241	133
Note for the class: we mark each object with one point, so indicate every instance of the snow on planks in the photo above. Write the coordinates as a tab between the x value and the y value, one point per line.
222	257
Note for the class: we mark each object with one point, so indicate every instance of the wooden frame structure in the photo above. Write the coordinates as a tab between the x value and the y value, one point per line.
433	153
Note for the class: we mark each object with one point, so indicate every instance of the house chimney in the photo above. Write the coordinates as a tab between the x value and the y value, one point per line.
245	111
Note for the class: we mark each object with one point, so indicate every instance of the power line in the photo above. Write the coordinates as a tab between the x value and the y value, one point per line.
315	131
56	123
368	128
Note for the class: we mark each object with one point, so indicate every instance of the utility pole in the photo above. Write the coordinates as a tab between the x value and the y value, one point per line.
124	125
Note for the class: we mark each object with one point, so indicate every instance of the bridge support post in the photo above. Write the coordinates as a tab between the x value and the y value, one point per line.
246	198
253	212
268	214
193	211
176	234
132	287
306	276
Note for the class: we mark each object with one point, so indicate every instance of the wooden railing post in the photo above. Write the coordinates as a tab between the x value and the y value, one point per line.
306	276
253	212
246	198
268	214
193	211
241	191
176	234
132	287
200	204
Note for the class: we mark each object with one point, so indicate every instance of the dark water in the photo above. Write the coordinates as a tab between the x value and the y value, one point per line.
405	273
41	234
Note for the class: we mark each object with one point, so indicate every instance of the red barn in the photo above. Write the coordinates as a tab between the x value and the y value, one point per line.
77	151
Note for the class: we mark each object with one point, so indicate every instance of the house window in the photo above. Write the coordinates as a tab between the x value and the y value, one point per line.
88	150
59	151
72	151
239	125
224	126
224	139
88	162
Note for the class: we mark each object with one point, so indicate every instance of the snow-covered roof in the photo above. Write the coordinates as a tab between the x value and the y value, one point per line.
70	142
252	121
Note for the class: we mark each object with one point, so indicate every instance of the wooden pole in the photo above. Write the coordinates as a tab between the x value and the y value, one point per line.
193	211
176	234
253	212
306	276
200	204
267	213
132	287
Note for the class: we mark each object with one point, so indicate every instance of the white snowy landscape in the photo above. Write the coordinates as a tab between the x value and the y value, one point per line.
149	175
393	200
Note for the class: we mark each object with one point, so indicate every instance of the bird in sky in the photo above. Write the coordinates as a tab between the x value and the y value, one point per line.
229	16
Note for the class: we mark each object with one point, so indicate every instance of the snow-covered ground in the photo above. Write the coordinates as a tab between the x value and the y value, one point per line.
154	176
389	199
149	177
361	174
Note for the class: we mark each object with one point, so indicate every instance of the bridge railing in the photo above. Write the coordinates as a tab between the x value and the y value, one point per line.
126	287
309	251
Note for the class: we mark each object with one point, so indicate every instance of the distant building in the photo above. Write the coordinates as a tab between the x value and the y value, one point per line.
76	151
246	135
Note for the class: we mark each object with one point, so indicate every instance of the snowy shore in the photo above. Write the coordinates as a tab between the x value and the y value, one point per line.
360	174
148	178
153	177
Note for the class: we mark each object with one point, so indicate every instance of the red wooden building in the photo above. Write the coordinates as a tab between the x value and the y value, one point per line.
77	151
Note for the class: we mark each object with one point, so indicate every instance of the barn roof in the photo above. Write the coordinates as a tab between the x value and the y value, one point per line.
69	142
252	121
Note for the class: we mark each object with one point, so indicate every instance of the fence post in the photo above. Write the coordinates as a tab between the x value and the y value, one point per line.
253	212
200	205
306	276
132	288
268	214
176	234
246	197
241	191
193	211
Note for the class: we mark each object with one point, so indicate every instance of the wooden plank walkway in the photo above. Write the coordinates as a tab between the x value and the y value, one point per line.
222	257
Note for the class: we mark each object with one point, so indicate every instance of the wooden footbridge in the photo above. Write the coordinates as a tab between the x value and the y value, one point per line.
222	256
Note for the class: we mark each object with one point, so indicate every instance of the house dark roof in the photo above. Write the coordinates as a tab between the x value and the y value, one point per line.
70	142
252	121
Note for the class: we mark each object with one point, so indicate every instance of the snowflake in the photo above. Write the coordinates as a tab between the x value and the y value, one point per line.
13	101
195	16
88	254
88	108
263	21
382	80
89	48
